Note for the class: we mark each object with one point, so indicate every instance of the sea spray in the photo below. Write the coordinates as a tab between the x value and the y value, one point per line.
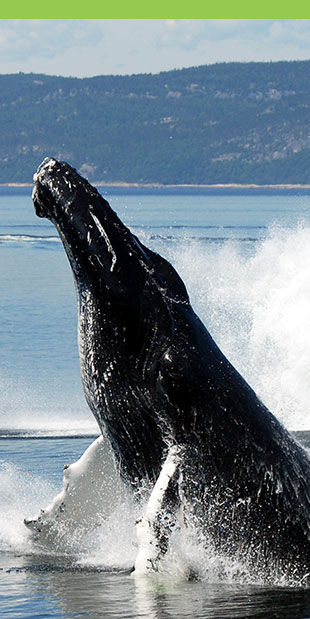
255	301
19	492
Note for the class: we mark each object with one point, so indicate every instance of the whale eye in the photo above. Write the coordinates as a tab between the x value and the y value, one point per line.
168	357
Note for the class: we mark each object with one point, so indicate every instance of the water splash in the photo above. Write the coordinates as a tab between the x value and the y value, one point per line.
18	491
255	300
113	545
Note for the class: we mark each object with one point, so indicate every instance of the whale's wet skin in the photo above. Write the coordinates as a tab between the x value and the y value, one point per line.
183	424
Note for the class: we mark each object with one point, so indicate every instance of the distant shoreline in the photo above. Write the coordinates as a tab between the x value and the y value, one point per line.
124	185
123	188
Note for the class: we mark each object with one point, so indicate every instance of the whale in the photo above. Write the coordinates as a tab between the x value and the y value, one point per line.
180	418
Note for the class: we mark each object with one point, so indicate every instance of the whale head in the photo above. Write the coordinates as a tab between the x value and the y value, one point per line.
130	301
101	249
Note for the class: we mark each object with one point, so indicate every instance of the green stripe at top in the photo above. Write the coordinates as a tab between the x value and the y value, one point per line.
154	9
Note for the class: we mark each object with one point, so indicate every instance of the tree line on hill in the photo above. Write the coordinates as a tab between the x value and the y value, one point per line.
223	123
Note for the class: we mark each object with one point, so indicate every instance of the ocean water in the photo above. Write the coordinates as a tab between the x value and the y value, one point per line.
244	260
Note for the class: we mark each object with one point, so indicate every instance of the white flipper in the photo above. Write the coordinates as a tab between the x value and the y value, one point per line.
91	489
154	527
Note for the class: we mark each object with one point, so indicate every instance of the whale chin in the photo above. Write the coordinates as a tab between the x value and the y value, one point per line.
178	415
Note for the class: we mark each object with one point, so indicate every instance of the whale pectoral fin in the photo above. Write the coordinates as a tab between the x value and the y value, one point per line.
156	524
91	490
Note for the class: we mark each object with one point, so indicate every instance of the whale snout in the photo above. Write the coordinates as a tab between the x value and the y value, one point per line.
52	186
46	166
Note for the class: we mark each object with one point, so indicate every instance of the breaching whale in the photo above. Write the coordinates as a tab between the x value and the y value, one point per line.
167	397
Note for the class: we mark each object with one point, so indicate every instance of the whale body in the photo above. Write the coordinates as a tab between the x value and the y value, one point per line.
156	381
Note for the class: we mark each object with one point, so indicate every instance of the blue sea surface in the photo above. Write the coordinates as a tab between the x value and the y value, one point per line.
244	260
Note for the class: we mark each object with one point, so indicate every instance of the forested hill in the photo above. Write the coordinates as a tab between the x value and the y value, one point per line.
222	123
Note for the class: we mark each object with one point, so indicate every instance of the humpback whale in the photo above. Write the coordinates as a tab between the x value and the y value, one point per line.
172	405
